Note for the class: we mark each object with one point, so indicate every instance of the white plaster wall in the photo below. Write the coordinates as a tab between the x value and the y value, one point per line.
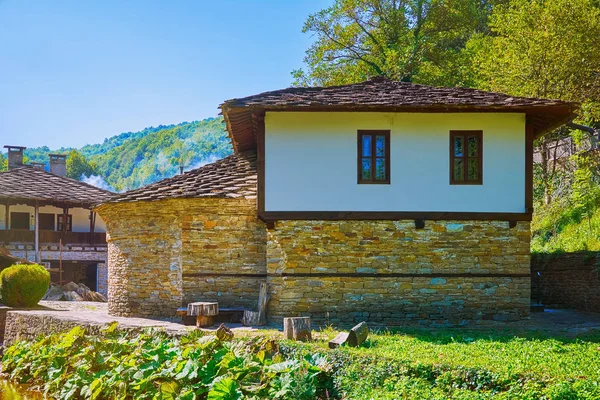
81	220
310	162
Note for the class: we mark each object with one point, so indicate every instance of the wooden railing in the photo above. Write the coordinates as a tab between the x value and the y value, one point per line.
25	236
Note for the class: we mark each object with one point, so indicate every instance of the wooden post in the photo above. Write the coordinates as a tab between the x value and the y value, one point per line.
263	298
92	225
6	216
37	232
60	262
258	318
297	328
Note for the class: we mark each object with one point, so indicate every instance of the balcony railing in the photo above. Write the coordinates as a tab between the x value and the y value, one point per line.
25	236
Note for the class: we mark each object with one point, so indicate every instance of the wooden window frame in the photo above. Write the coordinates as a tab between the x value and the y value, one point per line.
372	181
59	224
22	214
479	157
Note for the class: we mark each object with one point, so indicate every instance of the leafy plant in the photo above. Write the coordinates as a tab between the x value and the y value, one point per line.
151	365
23	285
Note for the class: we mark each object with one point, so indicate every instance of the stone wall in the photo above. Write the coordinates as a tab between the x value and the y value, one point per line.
223	253
102	278
166	253
447	273
569	280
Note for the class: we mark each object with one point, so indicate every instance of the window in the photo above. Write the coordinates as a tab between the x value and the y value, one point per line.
19	220
466	157
46	222
60	218
373	156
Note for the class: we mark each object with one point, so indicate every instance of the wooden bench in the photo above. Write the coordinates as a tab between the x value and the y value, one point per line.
230	314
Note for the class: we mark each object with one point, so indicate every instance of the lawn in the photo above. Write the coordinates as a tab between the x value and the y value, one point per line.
457	364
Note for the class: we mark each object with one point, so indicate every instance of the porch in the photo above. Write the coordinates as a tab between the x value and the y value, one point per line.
24	236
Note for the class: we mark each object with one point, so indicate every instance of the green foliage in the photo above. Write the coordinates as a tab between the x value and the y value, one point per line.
150	365
23	285
134	159
78	166
541	48
410	40
586	192
3	162
157	154
449	364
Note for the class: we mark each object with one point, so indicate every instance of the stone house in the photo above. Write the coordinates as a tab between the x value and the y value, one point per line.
383	201
46	217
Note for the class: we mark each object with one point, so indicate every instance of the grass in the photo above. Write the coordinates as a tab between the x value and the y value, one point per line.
466	365
564	229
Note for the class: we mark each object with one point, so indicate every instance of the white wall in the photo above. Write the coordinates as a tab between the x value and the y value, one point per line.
81	220
311	162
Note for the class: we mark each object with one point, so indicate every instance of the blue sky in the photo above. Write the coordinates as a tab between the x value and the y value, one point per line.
74	72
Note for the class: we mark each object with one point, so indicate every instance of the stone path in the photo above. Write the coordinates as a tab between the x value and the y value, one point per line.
96	314
559	322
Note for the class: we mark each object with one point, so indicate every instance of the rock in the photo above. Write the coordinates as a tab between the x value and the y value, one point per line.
73	296
54	293
70	287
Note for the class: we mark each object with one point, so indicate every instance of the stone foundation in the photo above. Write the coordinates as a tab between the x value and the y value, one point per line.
447	273
165	254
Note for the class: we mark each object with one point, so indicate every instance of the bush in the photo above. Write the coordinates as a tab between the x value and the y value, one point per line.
23	285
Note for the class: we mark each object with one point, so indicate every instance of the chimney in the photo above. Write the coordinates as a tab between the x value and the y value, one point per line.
58	164
15	156
38	165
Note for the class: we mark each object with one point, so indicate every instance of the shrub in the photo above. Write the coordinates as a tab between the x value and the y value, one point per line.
23	285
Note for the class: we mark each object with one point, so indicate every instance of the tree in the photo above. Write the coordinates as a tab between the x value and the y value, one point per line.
78	166
547	49
409	40
3	162
586	192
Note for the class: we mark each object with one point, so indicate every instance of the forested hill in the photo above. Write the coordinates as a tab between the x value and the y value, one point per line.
133	159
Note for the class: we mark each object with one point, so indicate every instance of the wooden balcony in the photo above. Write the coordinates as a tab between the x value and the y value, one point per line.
25	236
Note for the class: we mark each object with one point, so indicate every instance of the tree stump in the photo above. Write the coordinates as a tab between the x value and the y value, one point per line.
355	337
297	328
251	318
358	334
205	313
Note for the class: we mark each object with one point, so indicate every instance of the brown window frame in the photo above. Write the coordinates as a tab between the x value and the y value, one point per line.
479	157
373	181
59	223
15	216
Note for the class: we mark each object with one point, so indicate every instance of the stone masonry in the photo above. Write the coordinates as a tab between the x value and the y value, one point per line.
448	273
167	253
567	280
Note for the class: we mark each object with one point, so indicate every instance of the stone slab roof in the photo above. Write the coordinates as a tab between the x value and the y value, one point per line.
385	95
28	185
384	92
232	177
